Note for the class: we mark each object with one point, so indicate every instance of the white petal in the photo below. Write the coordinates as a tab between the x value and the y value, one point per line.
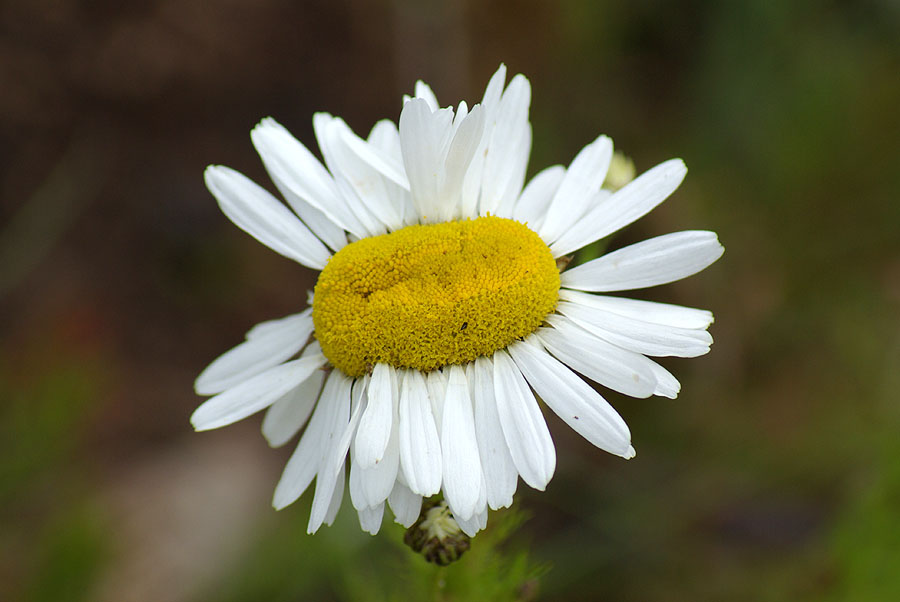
319	223
524	429
356	217
580	406
666	384
508	149
405	505
386	138
519	154
362	166
357	491
372	226
269	326
462	109
370	519
337	457
621	370
425	92
377	421
532	206
582	181
474	524
471	188
385	163
263	217
422	135
375	483
262	350
336	398
500	473
648	311
303	464
286	417
420	447
254	394
495	87
291	164
336	498
288	162
638	336
436	381
378	481
459	156
459	447
630	203
472	184
655	261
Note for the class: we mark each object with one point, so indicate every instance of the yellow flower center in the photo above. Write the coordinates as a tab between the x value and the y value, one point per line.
429	296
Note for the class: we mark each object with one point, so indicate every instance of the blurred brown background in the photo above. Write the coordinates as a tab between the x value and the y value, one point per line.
774	476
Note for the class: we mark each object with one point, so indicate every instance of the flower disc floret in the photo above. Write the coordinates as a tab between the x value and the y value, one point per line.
428	296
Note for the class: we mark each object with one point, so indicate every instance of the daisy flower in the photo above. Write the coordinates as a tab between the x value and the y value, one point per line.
440	317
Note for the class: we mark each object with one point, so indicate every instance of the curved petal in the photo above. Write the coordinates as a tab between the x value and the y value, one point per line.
655	261
582	181
532	206
336	498
474	524
425	92
385	163
580	406
336	399
377	482
621	370
420	447
524	429
508	150
421	140
370	519
297	169
472	184
436	382
636	335
500	475
647	311
630	203
377	421
405	504
262	216
254	394
459	448
299	176
286	417
666	384
262	350
304	463
462	148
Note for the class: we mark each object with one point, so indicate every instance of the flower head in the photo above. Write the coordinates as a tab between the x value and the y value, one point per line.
440	317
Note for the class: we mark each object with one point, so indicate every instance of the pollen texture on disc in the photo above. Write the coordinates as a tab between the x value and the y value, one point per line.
429	296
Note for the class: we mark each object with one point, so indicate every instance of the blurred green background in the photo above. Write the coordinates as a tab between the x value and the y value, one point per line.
774	476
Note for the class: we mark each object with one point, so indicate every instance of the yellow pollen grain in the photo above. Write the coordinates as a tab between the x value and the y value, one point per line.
433	295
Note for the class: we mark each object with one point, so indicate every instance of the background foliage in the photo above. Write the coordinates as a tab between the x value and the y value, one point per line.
774	476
